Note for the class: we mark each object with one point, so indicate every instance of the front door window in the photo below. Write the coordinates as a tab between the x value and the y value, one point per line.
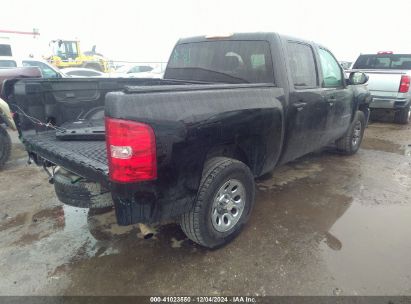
331	69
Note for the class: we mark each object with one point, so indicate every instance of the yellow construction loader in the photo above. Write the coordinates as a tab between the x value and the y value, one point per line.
67	54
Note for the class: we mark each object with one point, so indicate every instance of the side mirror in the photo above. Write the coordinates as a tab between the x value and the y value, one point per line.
358	78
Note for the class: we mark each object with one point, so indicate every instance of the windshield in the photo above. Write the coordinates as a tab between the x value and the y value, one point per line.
66	50
222	61
134	69
384	62
124	69
46	70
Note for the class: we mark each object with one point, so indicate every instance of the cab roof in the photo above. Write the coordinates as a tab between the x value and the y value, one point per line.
268	36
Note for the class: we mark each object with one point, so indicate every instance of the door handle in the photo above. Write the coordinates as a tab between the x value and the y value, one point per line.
299	105
331	101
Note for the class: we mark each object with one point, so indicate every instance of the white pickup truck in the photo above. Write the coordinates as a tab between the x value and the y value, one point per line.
389	82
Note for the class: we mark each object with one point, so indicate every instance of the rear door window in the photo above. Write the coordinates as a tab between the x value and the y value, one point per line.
302	65
225	61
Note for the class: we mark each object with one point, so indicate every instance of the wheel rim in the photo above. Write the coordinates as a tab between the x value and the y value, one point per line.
228	205
356	134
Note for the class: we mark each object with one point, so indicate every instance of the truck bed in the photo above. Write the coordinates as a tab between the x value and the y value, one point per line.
384	81
61	102
85	158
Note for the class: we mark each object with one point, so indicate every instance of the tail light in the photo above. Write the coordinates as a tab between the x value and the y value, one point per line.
404	84
131	151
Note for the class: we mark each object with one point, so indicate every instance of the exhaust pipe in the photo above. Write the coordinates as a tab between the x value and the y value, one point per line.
146	231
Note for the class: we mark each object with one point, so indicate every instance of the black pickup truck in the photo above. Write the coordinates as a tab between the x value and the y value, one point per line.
188	147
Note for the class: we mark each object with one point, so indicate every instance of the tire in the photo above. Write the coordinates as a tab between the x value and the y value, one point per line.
351	141
211	226
5	146
402	116
78	193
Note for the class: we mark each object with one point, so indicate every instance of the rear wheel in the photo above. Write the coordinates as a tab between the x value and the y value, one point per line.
402	116
223	205
5	146
351	141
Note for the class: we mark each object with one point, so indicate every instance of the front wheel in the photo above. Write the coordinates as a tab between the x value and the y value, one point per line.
351	141
223	205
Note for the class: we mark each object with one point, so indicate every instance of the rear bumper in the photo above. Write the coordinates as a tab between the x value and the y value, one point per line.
145	202
389	103
150	202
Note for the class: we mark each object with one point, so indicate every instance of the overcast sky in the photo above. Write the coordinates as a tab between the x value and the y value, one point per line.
147	30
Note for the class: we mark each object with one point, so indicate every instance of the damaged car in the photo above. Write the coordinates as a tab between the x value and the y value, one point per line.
188	147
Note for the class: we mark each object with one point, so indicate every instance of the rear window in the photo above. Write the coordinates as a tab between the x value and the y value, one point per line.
384	61
7	64
222	61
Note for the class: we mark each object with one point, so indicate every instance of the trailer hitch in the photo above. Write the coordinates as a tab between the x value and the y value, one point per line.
50	174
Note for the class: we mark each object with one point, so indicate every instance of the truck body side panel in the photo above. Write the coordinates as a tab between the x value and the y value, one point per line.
188	125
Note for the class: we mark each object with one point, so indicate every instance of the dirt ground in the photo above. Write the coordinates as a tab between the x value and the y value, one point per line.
323	225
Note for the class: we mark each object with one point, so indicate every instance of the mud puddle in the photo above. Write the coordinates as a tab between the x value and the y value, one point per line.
386	146
375	248
318	238
322	225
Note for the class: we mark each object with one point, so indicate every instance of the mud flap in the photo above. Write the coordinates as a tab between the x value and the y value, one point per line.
130	212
